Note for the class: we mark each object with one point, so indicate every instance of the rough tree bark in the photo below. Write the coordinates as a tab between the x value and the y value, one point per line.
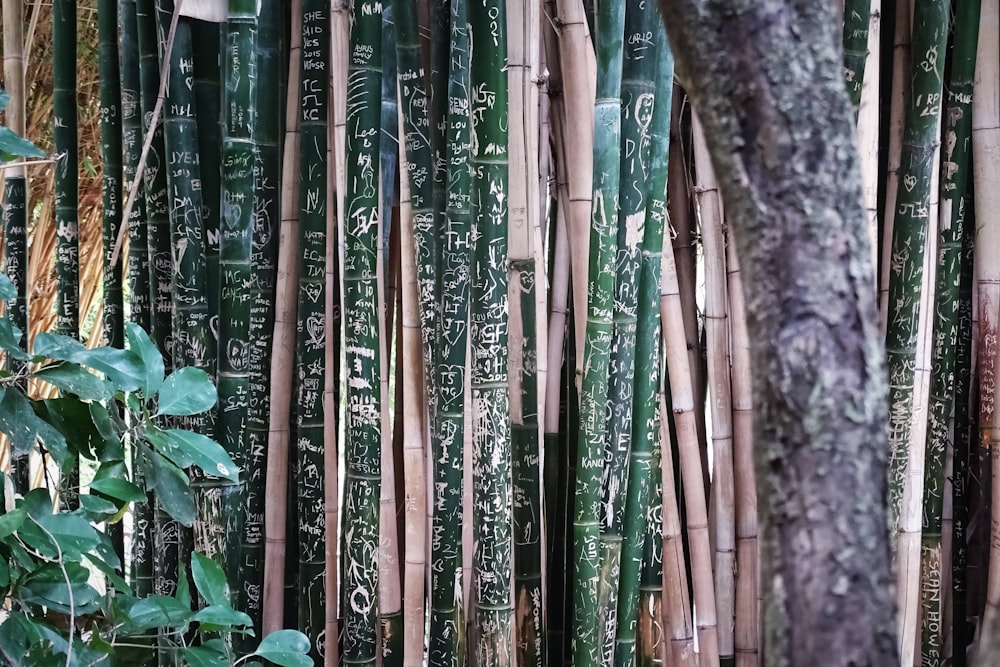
765	78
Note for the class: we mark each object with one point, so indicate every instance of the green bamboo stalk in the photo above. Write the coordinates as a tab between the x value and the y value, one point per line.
111	168
488	307
951	223
921	128
445	353
111	195
647	354
964	427
362	433
155	182
587	620
388	141
267	202
312	329
65	135
137	275
525	471
637	98
140	306
236	274
856	17
208	100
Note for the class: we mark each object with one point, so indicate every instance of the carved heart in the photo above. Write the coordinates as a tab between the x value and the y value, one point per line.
312	291
909	182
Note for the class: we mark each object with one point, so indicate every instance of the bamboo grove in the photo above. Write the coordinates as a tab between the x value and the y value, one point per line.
461	273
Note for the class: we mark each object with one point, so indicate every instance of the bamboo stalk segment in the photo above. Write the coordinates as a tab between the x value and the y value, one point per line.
720	393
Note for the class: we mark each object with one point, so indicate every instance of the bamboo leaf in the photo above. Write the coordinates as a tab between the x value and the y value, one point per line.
71	378
186	391
186	448
288	648
210	580
12	146
152	361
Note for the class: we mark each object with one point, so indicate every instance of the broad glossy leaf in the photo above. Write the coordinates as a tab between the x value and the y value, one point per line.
152	360
121	490
112	449
183	592
73	379
111	573
172	488
158	611
186	391
288	648
12	521
13	144
205	656
210	579
10	340
19	421
97	509
74	534
123	368
46	586
187	448
223	616
72	418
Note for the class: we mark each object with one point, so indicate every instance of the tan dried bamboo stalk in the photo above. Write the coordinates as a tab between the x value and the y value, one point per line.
559	278
868	126
525	245
684	235
415	432
900	70
720	392
689	453
283	351
986	172
677	624
579	77
747	575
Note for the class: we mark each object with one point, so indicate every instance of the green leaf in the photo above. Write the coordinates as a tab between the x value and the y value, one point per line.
223	616
183	592
72	532
12	144
7	289
152	360
210	579
4	99
46	586
10	340
20	422
121	490
172	488
205	656
111	573
72	378
96	508
121	367
158	611
288	648
186	391
11	521
112	449
187	448
72	418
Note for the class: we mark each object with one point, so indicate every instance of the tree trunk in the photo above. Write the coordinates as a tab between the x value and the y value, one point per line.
794	202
